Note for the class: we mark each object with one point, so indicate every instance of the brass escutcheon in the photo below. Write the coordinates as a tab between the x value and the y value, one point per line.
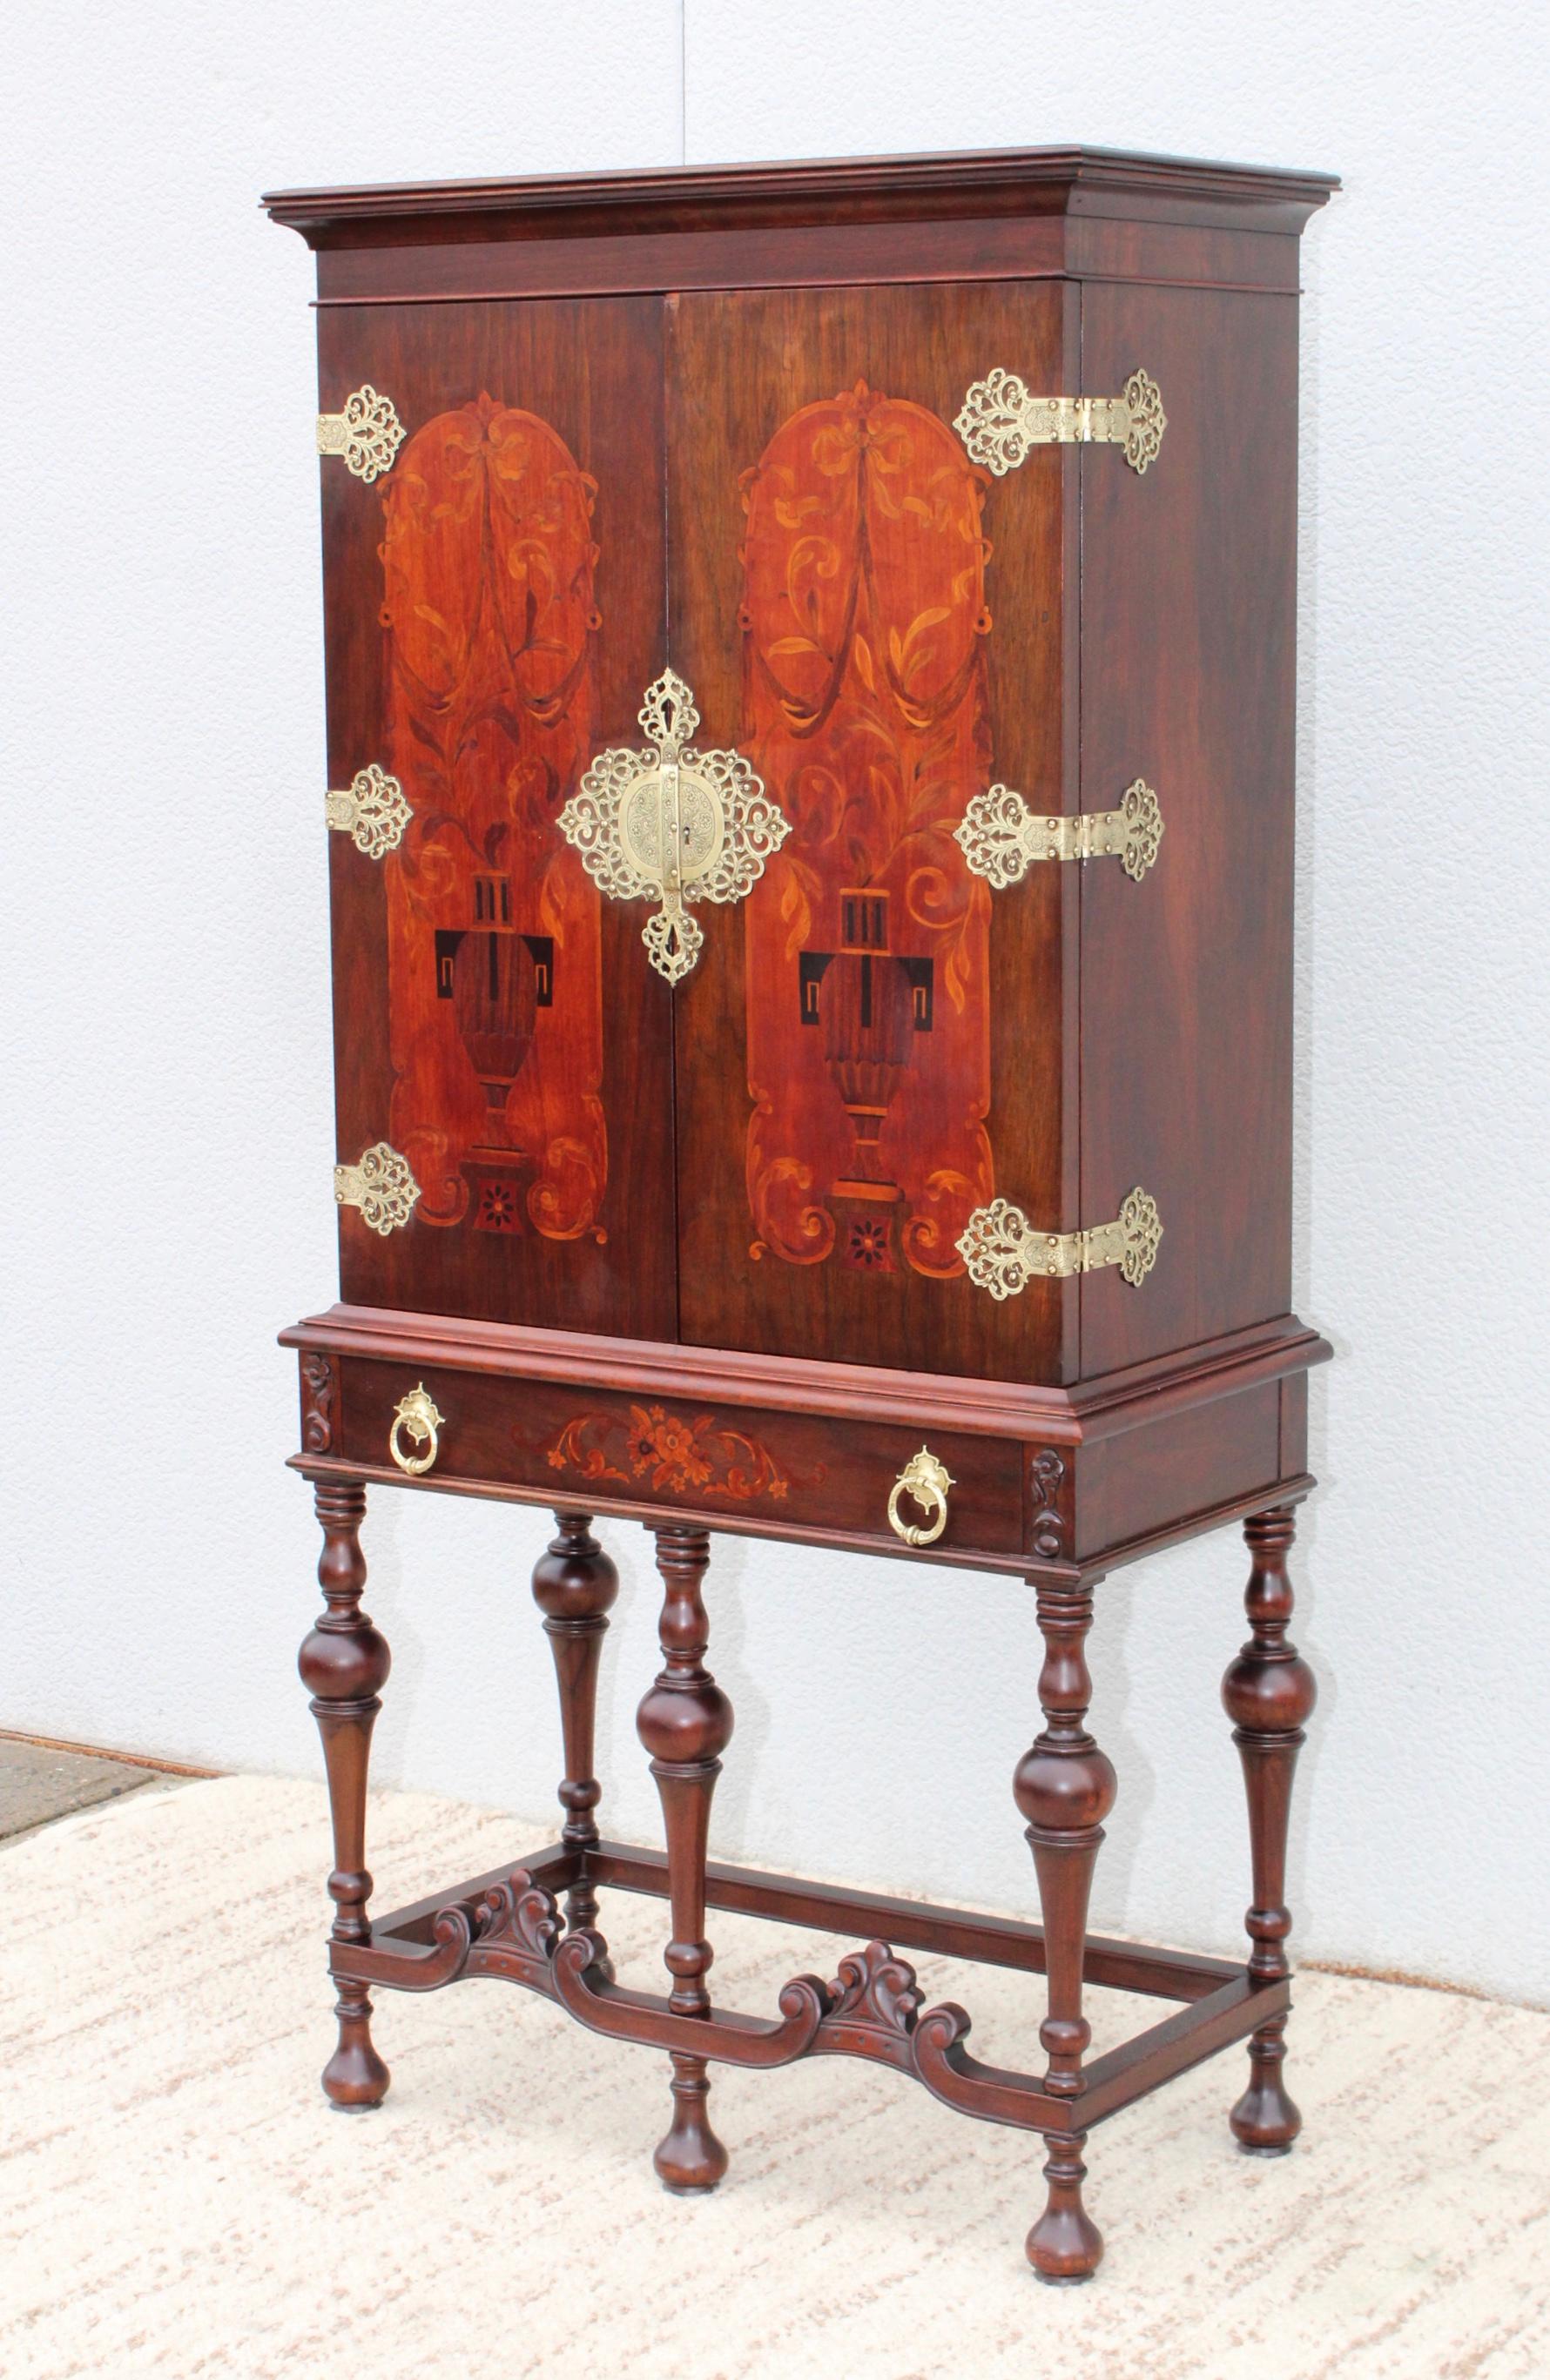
672	824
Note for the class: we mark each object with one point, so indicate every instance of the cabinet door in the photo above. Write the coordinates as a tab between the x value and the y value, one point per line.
494	606
870	1047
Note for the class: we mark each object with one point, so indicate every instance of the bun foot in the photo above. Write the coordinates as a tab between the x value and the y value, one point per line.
355	2077
1065	2245
689	2159
1265	2120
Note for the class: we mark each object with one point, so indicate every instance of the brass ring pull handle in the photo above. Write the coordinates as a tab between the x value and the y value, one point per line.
926	1482
417	1415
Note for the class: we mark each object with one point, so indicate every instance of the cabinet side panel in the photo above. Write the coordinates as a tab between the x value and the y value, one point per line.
1188	680
870	1047
494	606
1160	1474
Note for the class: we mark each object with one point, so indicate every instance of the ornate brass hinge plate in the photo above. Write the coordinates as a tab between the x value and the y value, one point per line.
1002	421
373	813
366	435
671	825
1000	835
1003	1252
380	1186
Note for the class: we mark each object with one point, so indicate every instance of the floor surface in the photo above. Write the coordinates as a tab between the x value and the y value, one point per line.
178	2199
39	1783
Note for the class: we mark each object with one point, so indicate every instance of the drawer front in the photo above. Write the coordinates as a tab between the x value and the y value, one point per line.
754	1470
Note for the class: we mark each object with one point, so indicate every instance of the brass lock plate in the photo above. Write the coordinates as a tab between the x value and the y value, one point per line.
672	824
672	817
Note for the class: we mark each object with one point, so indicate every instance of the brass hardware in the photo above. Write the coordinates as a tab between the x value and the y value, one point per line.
1001	420
671	825
999	834
367	434
380	1186
927	1481
373	813
1003	1252
418	1414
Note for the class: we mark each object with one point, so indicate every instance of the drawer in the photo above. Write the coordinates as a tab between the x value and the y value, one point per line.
740	1468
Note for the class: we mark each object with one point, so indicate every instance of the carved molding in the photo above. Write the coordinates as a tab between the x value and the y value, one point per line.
317	1404
1047	1528
958	2079
583	1983
512	1929
875	2002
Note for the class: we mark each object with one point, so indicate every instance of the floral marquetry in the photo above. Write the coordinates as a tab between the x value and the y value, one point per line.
866	711
495	971
672	1453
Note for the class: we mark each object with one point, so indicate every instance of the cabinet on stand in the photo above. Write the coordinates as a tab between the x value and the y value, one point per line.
811	690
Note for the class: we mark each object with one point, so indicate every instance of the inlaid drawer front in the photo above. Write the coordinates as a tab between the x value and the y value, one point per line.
565	1443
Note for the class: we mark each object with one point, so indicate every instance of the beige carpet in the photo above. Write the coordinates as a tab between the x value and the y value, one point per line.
176	2197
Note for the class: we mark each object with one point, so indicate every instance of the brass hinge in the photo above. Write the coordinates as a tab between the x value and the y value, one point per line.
373	813
380	1186
367	434
1001	421
671	825
1003	1252
999	834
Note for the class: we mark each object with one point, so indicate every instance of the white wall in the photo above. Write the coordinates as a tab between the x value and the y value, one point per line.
165	991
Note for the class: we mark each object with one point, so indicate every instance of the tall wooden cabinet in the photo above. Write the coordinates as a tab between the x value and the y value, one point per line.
809	782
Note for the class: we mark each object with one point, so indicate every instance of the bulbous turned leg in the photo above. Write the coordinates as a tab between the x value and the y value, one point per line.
346	1662
1065	1788
1268	1692
574	1584
685	1723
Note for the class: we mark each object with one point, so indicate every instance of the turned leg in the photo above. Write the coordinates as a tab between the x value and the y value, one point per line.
685	1722
1268	1692
1065	1789
346	1662
574	1584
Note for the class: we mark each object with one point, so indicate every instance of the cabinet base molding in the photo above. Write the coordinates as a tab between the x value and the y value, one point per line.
1074	1480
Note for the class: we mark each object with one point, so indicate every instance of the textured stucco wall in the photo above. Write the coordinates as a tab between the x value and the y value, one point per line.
166	986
